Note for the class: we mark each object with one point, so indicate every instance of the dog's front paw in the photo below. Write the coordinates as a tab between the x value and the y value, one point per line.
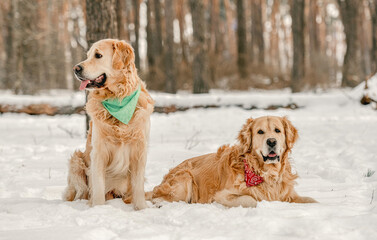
304	200
308	200
140	205
96	201
157	202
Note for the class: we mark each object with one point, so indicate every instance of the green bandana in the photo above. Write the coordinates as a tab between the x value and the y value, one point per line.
124	109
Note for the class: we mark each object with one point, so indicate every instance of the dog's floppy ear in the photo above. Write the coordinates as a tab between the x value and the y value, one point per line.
123	55
245	135
291	134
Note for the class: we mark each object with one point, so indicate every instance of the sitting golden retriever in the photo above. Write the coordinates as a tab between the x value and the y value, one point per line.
256	169
119	106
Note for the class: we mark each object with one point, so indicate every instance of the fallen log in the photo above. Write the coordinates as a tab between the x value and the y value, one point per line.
46	109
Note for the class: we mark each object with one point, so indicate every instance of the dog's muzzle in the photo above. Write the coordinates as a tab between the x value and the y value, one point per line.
98	82
272	155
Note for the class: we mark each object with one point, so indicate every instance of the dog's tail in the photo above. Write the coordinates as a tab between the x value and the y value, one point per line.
77	178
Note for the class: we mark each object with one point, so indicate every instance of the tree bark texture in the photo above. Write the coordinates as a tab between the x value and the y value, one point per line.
181	22
170	85
298	68
136	6
373	10
27	46
10	73
352	65
213	46
241	40
150	37
101	23
199	65
120	7
157	12
257	30
100	20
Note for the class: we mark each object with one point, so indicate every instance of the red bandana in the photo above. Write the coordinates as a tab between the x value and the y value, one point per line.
251	178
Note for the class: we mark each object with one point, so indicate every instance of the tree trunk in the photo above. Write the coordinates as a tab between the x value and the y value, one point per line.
61	80
101	23
136	5
10	73
220	28
241	40
128	11
257	31
100	20
158	30
181	22
199	64
150	38
120	6
3	35
170	85
231	43
79	47
313	65
213	46
67	48
28	46
373	10
298	68
314	42
352	65
51	58
274	53
363	22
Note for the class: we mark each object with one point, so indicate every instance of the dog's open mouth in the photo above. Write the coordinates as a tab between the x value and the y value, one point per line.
272	156
95	83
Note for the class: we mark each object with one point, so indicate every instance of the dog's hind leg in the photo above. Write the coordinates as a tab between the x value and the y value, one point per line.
78	171
177	186
231	198
77	178
299	199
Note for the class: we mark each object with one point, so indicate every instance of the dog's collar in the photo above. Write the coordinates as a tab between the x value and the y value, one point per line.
251	178
122	109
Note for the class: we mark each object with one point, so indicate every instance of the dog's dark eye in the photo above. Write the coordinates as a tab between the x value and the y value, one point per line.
97	55
260	132
277	130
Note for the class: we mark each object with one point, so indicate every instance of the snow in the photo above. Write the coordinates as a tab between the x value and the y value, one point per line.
335	152
52	97
360	90
246	99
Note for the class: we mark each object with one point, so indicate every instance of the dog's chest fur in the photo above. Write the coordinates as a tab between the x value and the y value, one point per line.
119	163
274	188
116	164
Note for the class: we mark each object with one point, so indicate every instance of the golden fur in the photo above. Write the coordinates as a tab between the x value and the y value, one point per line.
113	163
219	176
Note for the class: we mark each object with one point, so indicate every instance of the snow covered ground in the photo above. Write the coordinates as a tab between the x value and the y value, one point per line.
335	157
252	98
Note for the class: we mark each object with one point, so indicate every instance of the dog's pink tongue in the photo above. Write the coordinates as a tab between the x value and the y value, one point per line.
84	84
272	154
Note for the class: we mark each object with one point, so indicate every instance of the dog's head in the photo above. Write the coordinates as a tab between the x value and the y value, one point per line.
105	65
268	138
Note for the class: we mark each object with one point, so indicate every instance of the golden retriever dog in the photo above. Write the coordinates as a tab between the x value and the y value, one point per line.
255	169
113	163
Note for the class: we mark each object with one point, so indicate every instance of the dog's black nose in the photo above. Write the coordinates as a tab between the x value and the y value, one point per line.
271	142
77	69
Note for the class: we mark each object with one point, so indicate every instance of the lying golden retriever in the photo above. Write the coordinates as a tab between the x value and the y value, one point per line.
113	163
256	169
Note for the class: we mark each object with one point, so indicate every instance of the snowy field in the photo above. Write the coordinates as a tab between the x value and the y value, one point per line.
335	157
